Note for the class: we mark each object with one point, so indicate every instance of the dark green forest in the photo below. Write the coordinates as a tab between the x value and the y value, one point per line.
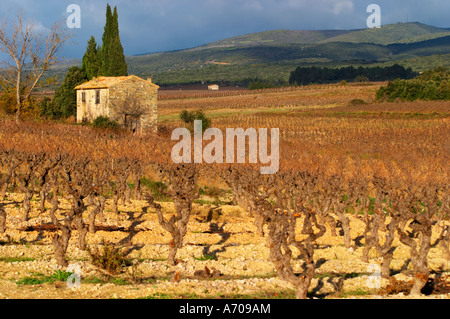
317	75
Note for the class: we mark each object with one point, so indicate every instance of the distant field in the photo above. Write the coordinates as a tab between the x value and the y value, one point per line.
230	101
322	117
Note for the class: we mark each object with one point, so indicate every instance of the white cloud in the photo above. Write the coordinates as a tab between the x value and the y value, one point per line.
253	5
342	6
38	27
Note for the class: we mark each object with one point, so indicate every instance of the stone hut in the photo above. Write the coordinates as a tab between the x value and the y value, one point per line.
128	100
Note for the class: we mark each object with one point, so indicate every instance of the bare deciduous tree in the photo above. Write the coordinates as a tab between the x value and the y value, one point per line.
29	54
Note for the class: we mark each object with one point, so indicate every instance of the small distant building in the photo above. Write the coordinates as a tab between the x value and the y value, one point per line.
129	100
213	87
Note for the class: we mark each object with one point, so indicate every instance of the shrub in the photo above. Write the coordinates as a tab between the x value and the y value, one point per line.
361	78
8	102
45	107
103	122
156	188
431	85
110	258
189	118
357	102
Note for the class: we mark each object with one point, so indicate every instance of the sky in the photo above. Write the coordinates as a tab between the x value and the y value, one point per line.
163	25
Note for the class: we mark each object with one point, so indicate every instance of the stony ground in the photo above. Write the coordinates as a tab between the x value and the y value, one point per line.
223	257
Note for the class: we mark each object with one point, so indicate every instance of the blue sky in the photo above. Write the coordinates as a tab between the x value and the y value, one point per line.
160	25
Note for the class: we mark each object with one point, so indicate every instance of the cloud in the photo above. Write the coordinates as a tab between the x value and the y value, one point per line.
159	25
39	28
341	6
253	5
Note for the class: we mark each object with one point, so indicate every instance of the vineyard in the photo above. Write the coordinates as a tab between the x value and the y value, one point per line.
171	100
358	208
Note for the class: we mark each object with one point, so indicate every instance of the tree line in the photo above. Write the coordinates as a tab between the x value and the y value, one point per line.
317	75
431	85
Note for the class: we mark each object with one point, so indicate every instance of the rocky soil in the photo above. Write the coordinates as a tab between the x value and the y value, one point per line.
223	257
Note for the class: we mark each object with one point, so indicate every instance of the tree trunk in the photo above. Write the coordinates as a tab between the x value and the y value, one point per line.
82	231
2	219
421	263
27	204
78	207
7	177
176	225
137	191
281	255
18	101
127	194
60	243
419	255
43	198
345	226
302	288
386	263
387	251
178	229
172	254
99	204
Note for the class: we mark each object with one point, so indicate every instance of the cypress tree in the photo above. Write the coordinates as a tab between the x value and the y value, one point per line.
106	41
65	100
115	24
118	65
91	60
112	57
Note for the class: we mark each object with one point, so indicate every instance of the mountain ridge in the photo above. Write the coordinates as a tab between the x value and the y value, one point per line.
272	55
279	46
410	32
404	33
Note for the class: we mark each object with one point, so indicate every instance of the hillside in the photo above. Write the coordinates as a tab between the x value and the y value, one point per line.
435	46
387	34
272	55
278	37
393	33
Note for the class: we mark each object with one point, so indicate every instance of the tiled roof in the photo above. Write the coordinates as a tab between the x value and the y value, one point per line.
103	82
